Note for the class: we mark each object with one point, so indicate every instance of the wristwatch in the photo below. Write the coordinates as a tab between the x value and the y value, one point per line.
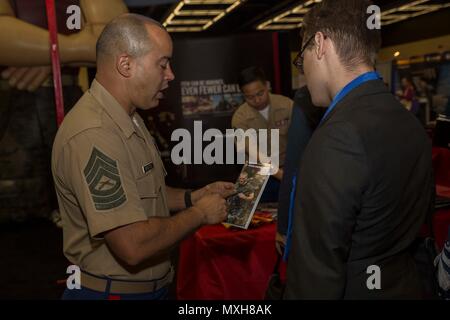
188	199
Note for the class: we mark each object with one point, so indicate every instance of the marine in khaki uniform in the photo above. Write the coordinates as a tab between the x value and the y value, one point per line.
109	176
263	110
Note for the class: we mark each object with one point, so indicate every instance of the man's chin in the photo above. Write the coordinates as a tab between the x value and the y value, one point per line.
153	104
148	106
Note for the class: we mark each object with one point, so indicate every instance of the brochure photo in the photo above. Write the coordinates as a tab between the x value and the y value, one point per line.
249	187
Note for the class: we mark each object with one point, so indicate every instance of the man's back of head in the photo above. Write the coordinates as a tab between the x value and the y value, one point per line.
345	23
338	46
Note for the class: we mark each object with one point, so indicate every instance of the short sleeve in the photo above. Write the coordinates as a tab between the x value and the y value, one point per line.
98	171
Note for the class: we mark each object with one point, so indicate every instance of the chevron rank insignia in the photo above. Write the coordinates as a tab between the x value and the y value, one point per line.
103	178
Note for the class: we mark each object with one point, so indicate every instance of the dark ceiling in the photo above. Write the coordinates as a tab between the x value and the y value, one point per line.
252	12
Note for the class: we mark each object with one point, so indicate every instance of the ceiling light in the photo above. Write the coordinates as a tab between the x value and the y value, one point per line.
206	8
293	17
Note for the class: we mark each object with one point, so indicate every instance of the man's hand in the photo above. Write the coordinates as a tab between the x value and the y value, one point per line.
280	243
224	189
212	207
26	78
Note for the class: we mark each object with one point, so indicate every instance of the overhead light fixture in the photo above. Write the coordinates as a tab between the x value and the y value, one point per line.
290	19
410	10
397	53
198	15
293	18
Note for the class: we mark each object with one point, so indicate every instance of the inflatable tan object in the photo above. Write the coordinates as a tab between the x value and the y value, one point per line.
25	48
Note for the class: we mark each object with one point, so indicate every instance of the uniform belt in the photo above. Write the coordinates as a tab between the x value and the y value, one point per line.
100	284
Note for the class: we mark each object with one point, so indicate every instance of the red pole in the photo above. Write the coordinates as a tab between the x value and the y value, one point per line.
56	65
276	63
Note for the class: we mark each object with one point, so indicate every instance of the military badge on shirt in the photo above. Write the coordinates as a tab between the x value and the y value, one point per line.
146	168
281	123
103	178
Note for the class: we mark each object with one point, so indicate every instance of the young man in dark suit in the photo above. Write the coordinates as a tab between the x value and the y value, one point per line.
365	180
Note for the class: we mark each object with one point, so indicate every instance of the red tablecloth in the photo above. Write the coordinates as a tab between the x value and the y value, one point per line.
220	263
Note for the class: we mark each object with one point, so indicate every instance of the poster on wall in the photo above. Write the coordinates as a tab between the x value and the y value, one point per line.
209	97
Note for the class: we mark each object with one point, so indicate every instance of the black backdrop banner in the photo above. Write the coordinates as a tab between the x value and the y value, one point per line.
205	89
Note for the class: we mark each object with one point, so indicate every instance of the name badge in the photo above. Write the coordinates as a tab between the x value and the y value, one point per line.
147	167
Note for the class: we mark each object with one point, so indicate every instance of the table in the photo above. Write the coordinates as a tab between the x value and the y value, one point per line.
222	264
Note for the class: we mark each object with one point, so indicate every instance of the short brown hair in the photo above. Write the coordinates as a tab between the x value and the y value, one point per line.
345	23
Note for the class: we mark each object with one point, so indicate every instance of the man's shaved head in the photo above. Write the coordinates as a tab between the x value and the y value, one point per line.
125	34
133	61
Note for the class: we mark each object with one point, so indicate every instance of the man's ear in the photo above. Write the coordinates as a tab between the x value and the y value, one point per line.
124	65
268	86
319	39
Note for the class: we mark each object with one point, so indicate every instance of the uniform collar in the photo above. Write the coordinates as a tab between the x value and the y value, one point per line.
273	109
112	108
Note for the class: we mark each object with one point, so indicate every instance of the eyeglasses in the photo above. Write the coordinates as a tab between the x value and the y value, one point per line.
298	61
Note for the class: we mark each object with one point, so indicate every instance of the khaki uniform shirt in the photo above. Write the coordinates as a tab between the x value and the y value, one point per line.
108	173
247	117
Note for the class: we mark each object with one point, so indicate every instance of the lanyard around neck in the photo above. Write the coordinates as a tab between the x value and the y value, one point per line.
368	76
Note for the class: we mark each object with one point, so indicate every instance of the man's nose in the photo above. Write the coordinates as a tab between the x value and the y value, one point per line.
169	73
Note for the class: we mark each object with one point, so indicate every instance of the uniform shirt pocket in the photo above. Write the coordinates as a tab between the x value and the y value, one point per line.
147	185
149	192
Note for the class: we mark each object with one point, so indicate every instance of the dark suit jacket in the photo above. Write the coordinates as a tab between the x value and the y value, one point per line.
364	189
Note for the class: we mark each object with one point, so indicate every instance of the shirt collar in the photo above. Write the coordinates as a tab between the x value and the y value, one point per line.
112	108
